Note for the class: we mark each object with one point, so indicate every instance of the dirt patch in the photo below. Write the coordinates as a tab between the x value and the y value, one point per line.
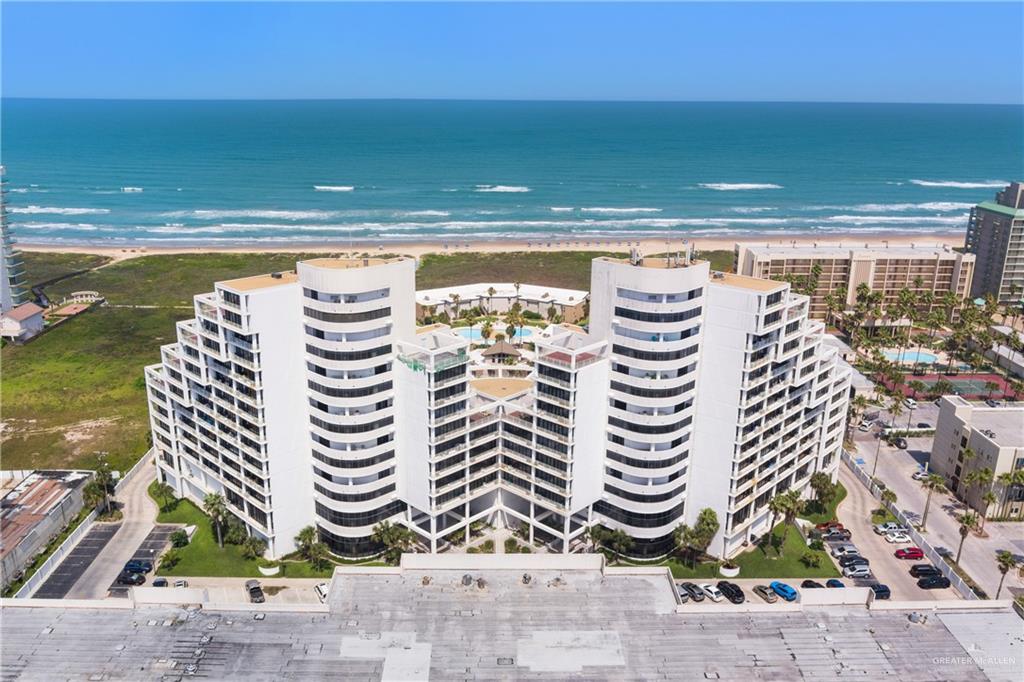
274	590
86	430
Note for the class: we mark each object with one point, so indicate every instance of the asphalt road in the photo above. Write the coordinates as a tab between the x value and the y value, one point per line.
77	561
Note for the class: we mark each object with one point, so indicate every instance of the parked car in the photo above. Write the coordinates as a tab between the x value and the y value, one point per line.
834	582
766	593
913	553
881	591
732	591
919	475
910	403
889	527
829	525
864	426
138	566
900	442
853	560
159	582
840	534
924	570
898	538
684	596
129	578
255	591
923	425
695	592
844	550
992	403
712	592
784	590
934	582
857	571
321	591
181	583
811	585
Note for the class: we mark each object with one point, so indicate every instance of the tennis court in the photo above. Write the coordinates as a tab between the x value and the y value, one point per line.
966	385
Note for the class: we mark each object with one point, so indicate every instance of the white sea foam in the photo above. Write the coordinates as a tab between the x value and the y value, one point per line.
220	214
938	206
59	226
501	188
450	189
131	189
333	188
414	214
619	211
893	219
956	184
562	209
751	209
51	210
736	186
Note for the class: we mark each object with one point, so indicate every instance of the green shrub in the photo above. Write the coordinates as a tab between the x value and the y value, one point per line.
487	547
511	546
811	559
525	550
817	545
179	538
472	550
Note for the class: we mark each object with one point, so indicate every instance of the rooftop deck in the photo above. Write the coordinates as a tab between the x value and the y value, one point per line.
743	282
255	282
349	263
501	388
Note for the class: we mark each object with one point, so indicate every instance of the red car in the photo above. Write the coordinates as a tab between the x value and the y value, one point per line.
829	525
913	553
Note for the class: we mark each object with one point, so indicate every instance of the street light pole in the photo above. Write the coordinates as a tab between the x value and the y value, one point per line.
878	450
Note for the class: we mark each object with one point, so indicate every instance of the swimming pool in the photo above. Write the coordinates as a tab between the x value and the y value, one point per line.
474	333
911	356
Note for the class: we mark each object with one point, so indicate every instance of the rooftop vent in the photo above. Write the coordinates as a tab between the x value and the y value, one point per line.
467	580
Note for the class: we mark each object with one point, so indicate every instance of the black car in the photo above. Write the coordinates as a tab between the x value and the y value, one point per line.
732	591
923	425
811	584
138	566
696	594
160	582
128	578
881	591
853	560
900	443
933	582
992	403
924	570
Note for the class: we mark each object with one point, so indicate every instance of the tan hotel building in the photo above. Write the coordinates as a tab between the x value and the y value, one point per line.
883	268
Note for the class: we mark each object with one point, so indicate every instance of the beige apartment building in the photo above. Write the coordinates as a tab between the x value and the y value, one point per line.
885	269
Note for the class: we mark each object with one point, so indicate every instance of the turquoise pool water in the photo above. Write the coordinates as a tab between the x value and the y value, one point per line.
474	333
911	356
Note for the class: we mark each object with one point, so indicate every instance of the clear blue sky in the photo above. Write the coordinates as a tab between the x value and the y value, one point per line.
915	52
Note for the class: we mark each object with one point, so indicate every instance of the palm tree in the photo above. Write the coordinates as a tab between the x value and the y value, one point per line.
253	547
991	386
685	539
94	495
396	539
486	331
305	539
968	520
317	555
988	499
821	484
932	483
217	510
455	304
163	492
1006	563
1005	482
472	320
618	541
889	497
794	506
491	291
776	505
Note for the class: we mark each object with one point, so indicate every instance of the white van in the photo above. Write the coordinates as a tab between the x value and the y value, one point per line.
321	591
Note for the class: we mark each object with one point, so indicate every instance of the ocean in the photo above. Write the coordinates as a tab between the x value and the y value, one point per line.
110	173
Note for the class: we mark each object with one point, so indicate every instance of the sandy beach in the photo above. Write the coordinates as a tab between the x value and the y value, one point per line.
954	239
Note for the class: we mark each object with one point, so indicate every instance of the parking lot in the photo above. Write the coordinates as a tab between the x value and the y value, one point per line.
149	550
67	573
276	591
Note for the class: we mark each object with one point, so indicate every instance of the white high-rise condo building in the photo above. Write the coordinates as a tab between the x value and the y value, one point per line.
311	398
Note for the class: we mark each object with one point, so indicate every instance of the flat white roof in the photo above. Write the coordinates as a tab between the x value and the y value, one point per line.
528	292
855	250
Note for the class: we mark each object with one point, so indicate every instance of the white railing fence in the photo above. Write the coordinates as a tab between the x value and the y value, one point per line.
143	461
938	560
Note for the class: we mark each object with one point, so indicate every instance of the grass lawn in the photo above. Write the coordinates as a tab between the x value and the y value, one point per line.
42	267
78	390
565	269
763	562
202	556
816	515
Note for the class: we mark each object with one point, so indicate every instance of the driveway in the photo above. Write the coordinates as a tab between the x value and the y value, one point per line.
855	514
139	514
150	550
78	560
277	591
895	468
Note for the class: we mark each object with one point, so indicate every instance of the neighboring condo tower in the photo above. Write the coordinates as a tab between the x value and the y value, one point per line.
13	290
995	235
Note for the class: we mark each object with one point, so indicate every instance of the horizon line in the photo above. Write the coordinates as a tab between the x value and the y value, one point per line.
503	99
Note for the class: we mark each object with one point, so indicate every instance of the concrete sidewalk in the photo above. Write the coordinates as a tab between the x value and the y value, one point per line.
139	516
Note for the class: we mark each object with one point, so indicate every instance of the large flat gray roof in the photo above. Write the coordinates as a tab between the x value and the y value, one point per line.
563	625
1007	422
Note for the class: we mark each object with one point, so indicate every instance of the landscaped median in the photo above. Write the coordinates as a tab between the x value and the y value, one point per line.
203	557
